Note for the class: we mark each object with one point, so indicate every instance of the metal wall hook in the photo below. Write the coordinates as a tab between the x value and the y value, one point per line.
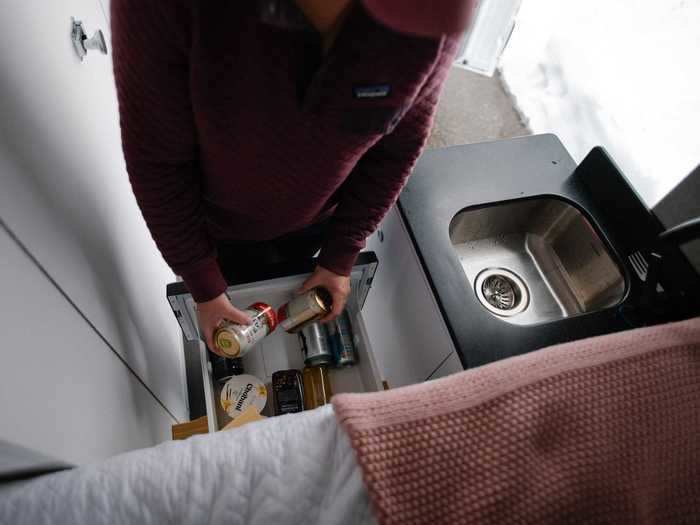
83	44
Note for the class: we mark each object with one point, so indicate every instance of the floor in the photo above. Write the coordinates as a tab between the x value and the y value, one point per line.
474	108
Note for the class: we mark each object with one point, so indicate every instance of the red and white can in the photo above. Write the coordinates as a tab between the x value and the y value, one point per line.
236	340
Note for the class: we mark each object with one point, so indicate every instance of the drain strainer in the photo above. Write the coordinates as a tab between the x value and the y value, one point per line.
501	292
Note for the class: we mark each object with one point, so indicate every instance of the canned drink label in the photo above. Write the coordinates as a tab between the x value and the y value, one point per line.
257	330
344	345
268	312
264	321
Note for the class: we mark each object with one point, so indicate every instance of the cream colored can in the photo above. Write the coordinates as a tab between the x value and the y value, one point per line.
304	309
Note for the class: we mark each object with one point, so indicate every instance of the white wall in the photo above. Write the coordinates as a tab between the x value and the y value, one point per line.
65	193
622	74
63	392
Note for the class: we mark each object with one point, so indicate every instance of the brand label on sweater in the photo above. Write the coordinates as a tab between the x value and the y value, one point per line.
372	91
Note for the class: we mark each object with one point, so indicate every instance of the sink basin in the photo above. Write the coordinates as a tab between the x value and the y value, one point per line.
535	260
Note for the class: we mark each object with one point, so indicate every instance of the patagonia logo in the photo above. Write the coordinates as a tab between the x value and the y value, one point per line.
372	91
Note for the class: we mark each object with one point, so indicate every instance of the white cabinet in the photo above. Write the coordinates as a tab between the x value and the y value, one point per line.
65	193
402	316
63	392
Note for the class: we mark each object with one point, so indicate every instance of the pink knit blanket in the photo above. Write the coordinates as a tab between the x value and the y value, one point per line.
603	430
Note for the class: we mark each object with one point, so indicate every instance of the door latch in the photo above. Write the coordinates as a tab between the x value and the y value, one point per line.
83	44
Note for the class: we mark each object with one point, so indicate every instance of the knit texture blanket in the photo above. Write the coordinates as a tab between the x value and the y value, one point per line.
602	430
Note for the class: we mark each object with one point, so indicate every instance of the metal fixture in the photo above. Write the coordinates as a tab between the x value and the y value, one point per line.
83	44
676	236
544	260
681	233
501	292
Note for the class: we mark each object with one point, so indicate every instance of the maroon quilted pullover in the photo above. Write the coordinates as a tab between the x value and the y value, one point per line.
236	127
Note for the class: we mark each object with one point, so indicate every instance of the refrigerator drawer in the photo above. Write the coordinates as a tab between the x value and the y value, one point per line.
279	350
282	351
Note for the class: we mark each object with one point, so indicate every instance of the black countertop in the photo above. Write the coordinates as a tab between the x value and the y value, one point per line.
446	181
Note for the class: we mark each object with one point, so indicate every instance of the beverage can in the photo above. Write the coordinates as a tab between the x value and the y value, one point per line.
316	345
235	340
343	343
304	309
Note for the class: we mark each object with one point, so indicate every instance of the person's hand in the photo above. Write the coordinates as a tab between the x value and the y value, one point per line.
337	285
211	313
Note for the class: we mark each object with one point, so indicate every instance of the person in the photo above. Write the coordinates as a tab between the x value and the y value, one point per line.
263	131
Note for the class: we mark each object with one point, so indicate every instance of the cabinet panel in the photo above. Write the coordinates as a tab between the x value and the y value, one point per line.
63	392
65	191
404	324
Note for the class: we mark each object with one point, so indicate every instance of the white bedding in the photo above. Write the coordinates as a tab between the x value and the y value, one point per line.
292	469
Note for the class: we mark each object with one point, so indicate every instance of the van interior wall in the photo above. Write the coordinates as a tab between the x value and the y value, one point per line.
67	201
63	391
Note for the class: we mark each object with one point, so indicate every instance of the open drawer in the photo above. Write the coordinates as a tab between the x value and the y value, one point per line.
279	350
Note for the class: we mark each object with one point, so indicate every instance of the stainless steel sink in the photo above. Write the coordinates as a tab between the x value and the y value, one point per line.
535	260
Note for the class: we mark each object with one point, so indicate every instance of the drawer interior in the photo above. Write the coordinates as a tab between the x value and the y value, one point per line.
282	351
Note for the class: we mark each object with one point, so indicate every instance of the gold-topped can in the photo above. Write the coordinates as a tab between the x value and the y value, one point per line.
235	340
304	309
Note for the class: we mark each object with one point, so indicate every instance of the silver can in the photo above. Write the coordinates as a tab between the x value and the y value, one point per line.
304	309
340	333
235	340
315	344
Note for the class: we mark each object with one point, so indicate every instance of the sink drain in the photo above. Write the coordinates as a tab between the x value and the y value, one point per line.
501	292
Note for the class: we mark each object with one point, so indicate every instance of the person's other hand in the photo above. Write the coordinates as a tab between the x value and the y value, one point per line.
211	313
337	285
